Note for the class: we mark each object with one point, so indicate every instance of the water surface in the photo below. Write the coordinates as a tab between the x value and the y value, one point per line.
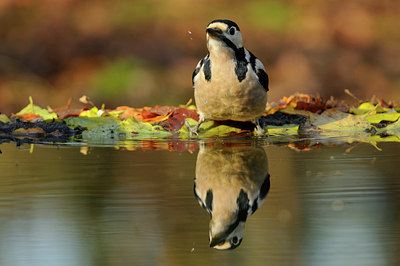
335	205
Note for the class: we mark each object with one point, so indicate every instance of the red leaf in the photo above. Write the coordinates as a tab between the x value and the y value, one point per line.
312	107
68	112
152	117
27	117
177	118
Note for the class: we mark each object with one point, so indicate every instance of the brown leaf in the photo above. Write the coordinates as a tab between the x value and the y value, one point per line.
163	109
312	107
65	111
130	112
69	112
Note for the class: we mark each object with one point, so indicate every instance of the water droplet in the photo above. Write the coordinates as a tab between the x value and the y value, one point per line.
190	33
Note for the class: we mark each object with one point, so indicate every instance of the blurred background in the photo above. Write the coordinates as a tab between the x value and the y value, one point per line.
142	53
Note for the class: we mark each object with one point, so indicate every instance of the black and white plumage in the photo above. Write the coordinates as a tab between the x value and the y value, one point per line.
231	184
230	83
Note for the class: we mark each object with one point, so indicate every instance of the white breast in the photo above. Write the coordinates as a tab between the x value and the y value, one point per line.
224	97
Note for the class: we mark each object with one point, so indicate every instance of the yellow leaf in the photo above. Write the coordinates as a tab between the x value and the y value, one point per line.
333	120
284	130
363	108
368	107
90	113
377	118
208	129
4	118
36	110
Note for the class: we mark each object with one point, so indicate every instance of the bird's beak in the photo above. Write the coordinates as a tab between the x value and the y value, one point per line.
214	32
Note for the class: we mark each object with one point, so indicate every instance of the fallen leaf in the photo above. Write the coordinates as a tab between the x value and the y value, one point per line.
28	117
377	118
129	112
4	118
177	118
208	130
32	111
153	117
133	128
163	109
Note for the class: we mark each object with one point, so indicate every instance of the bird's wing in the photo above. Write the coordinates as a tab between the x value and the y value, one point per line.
259	68
197	70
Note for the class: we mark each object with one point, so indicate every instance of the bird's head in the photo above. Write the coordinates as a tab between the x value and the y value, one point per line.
229	236
223	34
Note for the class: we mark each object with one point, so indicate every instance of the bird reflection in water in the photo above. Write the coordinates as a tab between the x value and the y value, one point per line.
231	183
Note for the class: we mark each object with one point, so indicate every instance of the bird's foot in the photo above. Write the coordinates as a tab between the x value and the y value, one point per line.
193	131
259	131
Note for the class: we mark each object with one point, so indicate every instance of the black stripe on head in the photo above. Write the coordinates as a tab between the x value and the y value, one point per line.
228	22
241	62
229	43
240	55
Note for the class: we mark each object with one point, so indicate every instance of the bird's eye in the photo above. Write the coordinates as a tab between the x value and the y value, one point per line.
232	31
235	240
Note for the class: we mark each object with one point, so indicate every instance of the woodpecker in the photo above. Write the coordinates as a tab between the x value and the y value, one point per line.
230	83
230	184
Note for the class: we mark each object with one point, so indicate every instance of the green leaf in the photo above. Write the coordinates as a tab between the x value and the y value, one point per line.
377	118
394	129
94	112
208	129
363	108
4	118
98	128
91	122
367	107
36	110
285	130
133	128
332	120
